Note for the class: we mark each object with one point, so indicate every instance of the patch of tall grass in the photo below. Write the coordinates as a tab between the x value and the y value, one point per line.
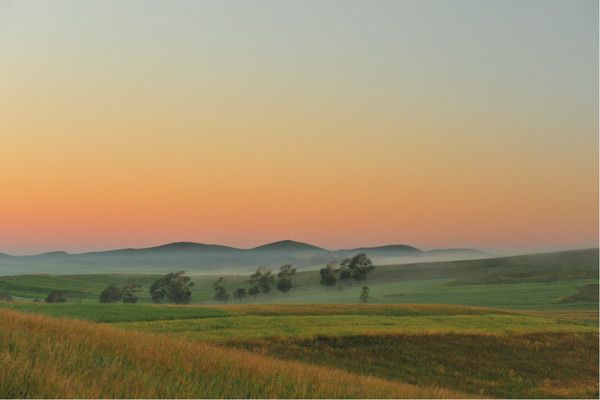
530	365
41	357
253	326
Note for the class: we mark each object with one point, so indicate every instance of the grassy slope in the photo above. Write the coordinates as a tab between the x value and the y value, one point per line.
479	351
250	327
523	282
44	357
115	312
516	365
86	287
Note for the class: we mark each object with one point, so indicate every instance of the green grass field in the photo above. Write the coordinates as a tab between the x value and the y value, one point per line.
509	327
528	282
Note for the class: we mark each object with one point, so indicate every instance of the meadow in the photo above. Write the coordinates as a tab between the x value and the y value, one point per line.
530	282
509	327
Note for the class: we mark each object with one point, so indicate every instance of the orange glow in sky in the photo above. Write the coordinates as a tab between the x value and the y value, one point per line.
431	126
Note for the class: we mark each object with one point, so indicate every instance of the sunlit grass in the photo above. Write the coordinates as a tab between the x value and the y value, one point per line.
42	357
252	326
549	364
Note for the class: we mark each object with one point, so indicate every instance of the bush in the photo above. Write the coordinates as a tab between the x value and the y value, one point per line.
56	296
129	293
111	294
364	295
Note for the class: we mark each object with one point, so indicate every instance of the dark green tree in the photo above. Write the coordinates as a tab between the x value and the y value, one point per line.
111	294
356	267
129	293
364	295
172	288
253	291
328	274
285	278
240	293
221	293
263	278
55	296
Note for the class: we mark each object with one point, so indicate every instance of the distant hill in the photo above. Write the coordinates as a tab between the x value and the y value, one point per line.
393	248
200	258
286	245
175	247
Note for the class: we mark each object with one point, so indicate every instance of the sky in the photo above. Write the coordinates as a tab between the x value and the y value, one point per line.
339	123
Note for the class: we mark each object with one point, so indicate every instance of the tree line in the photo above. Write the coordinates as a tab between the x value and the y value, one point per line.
175	287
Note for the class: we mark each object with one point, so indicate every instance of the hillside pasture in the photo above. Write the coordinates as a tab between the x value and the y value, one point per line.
531	282
43	357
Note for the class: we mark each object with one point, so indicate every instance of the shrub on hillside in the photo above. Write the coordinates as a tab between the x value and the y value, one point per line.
364	295
111	294
129	293
56	296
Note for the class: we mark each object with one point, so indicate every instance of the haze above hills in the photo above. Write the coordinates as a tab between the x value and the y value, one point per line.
200	258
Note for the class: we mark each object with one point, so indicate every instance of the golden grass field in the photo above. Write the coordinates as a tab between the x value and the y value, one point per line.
297	351
50	358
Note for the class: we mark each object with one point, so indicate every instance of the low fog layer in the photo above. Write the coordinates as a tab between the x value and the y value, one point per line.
201	259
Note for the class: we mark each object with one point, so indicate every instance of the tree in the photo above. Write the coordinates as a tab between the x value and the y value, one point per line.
328	274
172	288
263	278
240	293
285	278
220	291
129	293
55	296
111	294
364	295
253	291
356	267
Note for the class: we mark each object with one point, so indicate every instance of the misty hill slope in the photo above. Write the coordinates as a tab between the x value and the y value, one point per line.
288	245
534	281
174	248
393	248
200	258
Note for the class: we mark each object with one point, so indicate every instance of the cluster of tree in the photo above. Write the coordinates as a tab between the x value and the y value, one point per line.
354	268
174	287
261	281
126	294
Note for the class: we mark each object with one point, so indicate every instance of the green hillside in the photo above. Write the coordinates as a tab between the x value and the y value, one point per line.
539	281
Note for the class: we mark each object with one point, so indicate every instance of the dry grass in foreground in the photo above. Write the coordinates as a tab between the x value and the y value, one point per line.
41	357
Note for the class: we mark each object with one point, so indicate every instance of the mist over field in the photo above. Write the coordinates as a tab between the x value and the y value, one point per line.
201	259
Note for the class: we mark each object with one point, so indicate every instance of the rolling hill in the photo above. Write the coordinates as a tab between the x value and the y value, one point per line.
214	258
